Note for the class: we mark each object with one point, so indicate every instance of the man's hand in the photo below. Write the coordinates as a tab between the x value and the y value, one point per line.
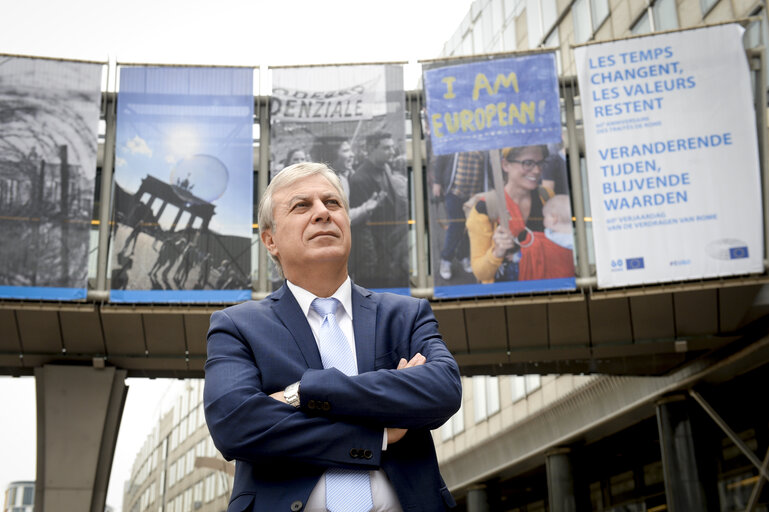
278	395
396	434
417	360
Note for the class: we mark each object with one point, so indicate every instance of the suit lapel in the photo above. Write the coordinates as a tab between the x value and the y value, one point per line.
364	327
288	311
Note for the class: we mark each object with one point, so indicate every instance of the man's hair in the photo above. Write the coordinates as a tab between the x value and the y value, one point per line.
286	178
373	140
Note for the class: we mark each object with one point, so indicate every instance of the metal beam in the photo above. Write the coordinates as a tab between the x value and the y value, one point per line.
730	433
753	501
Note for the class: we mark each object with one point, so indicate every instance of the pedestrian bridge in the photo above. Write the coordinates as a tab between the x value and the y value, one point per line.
635	331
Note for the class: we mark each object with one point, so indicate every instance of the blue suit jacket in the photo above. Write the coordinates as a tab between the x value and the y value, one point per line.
258	348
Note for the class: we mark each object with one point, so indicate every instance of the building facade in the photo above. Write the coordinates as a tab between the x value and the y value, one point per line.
178	469
19	497
689	440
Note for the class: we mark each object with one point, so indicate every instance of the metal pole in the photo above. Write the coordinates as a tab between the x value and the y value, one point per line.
753	501
763	135
105	198
263	108
730	433
415	106
583	263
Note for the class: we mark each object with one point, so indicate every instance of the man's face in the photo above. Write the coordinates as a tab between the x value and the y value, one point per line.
310	227
383	153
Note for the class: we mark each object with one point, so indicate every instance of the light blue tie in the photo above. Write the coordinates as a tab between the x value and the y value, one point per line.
346	490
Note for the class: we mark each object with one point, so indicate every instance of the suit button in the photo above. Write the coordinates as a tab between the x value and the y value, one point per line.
296	506
367	454
311	404
326	406
354	453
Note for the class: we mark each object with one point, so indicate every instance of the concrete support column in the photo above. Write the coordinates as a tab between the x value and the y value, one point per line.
686	481
78	415
560	481
477	499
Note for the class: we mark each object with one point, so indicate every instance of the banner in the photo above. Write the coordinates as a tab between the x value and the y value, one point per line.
500	206
489	103
672	157
352	118
49	116
183	185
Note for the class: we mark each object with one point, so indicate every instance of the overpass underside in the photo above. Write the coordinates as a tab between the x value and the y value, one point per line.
633	331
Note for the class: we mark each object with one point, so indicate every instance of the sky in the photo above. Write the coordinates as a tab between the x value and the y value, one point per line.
228	32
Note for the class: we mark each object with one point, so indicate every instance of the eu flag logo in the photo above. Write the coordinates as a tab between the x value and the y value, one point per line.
738	252
634	263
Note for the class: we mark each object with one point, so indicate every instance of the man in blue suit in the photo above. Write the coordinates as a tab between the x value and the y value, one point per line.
291	420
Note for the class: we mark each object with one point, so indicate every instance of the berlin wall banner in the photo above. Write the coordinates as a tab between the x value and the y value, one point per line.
183	212
500	206
49	117
351	117
672	157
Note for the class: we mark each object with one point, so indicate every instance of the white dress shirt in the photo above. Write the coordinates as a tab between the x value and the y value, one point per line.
382	491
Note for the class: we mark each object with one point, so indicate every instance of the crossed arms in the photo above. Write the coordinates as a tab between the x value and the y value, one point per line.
415	385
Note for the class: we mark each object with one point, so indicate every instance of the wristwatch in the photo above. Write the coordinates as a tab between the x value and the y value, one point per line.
291	394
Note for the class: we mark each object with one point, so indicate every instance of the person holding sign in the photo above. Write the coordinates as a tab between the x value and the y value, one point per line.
495	249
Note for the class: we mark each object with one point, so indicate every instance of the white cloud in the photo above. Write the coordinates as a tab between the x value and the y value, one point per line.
137	145
120	162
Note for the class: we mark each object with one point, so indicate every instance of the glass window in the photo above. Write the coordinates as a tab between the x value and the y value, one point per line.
478	46
553	41
540	17
599	10
454	426
466	47
485	396
487	27
446	432
549	14
757	34
533	22
706	5
665	15
492	395
643	25
29	495
508	37
479	398
518	385
509	7
581	13
497	16
533	383
458	420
